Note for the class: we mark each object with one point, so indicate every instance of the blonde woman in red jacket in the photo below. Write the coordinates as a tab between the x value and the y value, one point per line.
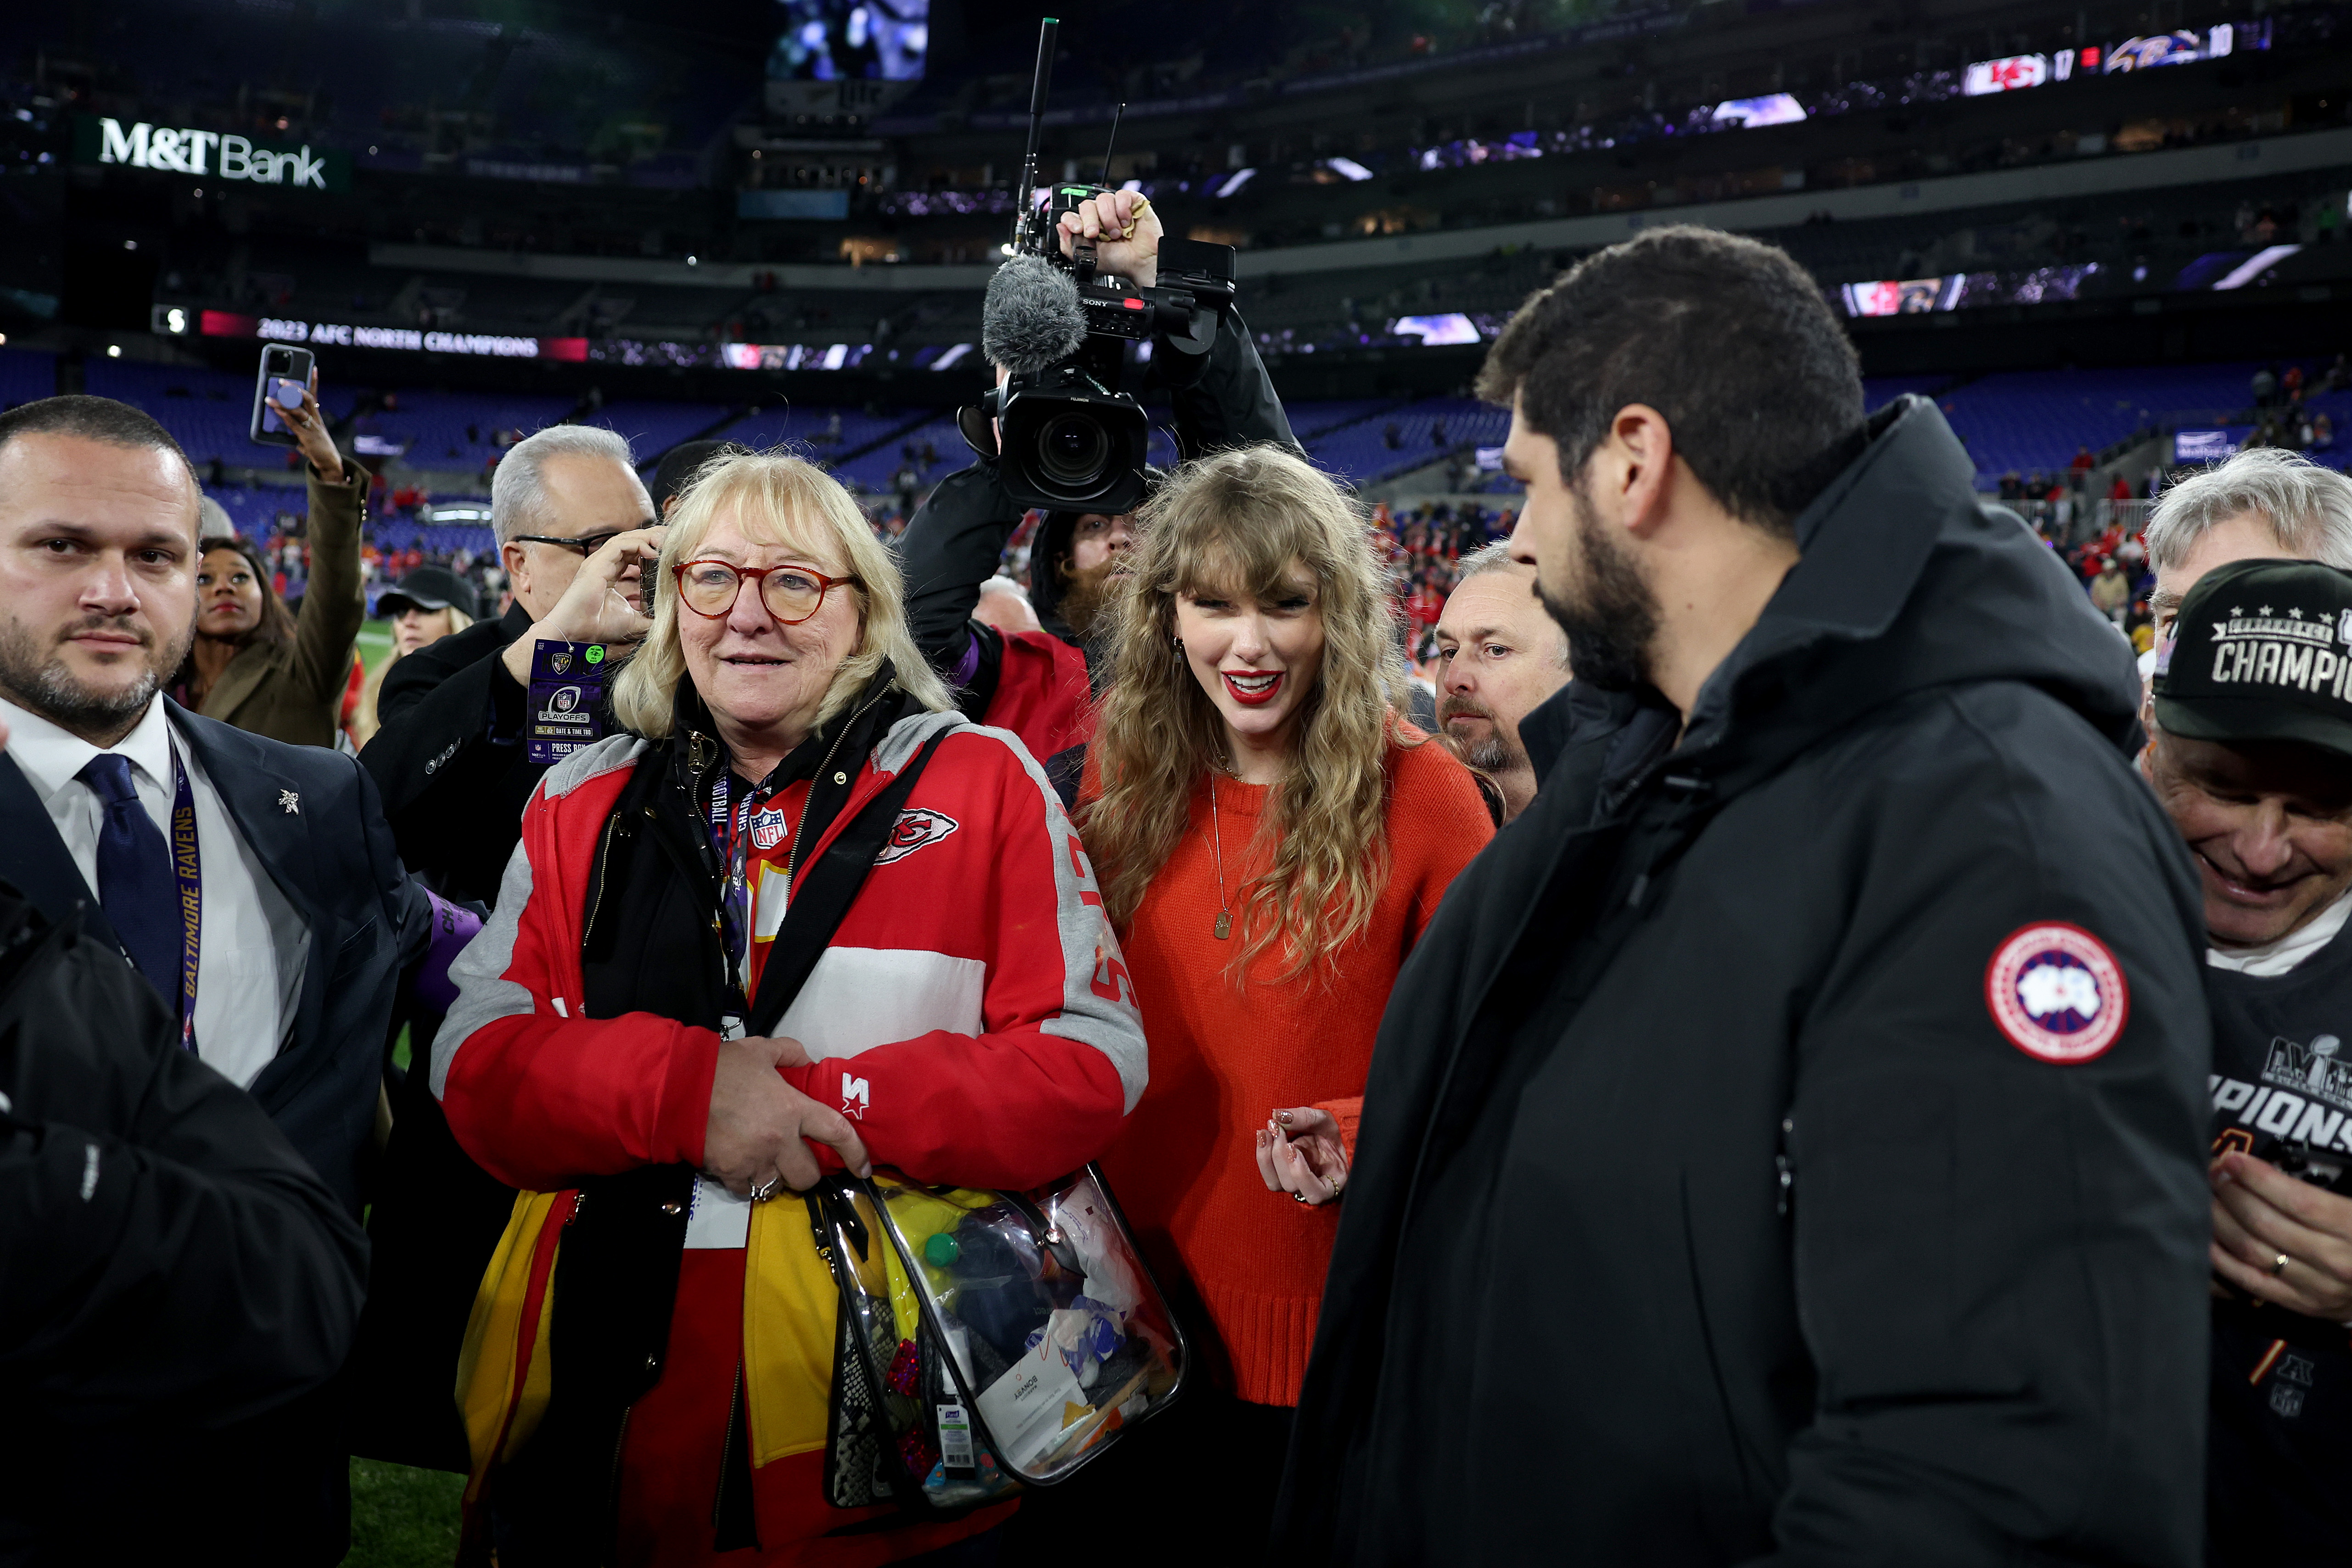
970	1023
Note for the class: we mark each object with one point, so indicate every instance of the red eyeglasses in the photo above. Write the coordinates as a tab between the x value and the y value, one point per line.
791	594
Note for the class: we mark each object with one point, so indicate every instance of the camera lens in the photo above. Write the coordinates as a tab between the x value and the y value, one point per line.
1073	449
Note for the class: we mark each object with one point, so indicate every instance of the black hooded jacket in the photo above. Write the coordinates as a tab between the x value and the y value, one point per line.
1703	1212
176	1285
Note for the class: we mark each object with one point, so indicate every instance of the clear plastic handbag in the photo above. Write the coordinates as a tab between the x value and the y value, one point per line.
1057	1338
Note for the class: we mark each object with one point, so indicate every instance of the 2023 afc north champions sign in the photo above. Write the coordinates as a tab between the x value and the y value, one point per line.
211	154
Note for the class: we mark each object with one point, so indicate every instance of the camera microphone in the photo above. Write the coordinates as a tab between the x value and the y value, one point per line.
1032	318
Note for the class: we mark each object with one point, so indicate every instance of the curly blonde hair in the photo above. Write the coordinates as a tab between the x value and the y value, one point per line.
778	498
1240	523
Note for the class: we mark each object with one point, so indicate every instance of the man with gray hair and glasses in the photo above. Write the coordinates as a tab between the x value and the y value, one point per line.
575	530
574	526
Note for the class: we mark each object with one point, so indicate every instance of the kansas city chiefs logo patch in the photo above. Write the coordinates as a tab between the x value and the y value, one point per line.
2056	992
916	826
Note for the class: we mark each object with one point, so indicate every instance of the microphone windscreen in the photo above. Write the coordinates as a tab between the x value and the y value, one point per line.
1032	318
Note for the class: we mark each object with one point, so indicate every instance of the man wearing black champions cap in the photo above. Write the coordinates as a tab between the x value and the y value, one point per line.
2253	759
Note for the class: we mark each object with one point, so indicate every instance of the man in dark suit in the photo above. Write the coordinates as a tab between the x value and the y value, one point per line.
451	759
455	770
252	883
257	889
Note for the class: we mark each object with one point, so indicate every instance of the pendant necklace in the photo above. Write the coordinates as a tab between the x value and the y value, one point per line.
1217	843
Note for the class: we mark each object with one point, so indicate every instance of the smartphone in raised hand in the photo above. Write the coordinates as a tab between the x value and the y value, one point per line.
284	374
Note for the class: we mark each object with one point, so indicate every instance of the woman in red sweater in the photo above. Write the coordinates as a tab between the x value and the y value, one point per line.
1271	838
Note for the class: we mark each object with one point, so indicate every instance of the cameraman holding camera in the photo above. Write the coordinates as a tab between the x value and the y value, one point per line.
1037	684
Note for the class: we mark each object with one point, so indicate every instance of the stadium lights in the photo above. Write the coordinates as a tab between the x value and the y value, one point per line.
114	350
694	261
1348	169
1239	177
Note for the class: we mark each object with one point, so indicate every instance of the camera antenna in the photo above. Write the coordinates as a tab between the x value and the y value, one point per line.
1025	197
1112	142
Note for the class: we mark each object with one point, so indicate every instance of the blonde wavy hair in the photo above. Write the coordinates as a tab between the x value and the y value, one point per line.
778	498
1239	524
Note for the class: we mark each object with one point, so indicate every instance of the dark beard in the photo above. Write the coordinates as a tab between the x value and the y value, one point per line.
49	689
1085	592
1613	618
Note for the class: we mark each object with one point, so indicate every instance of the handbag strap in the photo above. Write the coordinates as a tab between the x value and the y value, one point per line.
826	891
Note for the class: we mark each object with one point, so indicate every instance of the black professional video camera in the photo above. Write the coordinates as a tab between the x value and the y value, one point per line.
1071	440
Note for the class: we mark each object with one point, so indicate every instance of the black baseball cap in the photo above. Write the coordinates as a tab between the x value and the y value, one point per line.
2261	651
680	466
429	588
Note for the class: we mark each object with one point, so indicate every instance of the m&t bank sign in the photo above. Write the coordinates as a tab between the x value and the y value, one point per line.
98	138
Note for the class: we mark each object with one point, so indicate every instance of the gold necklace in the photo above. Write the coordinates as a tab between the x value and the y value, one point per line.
1217	843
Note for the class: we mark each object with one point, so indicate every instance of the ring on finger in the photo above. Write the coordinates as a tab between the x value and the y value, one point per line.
766	1189
2279	1267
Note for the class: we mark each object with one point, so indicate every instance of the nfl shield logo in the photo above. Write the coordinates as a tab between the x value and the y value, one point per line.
767	827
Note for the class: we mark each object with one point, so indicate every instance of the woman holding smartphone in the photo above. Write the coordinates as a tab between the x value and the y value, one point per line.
255	664
1271	838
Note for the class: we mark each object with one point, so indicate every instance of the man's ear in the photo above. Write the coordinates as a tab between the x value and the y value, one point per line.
1636	467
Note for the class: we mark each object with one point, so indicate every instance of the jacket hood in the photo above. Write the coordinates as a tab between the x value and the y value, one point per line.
1906	581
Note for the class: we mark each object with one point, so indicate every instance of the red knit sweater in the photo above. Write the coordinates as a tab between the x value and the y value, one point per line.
1225	1057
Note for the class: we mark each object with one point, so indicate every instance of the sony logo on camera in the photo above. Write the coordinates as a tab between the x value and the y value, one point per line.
99	139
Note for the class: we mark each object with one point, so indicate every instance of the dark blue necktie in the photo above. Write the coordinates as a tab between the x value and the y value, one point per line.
134	876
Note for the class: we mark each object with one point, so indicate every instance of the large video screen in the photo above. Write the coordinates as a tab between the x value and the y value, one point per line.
2185	47
2010	73
851	40
1772	109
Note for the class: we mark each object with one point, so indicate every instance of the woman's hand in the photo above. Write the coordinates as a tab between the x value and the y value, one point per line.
758	1122
1105	219
309	425
2259	1215
1299	1152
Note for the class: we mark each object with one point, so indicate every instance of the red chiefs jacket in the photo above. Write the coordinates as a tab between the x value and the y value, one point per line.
972	1013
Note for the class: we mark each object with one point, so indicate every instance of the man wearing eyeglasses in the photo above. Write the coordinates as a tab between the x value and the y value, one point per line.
574	527
575	530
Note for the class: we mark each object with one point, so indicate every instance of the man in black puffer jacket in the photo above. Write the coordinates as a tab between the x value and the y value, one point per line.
174	1281
1786	1145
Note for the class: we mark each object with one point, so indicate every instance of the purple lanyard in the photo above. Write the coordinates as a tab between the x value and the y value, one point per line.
727	836
188	875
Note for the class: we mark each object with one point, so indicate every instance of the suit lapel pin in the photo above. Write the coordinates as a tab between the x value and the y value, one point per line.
289	803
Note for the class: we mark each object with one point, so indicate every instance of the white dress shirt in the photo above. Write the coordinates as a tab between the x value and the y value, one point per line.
249	967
